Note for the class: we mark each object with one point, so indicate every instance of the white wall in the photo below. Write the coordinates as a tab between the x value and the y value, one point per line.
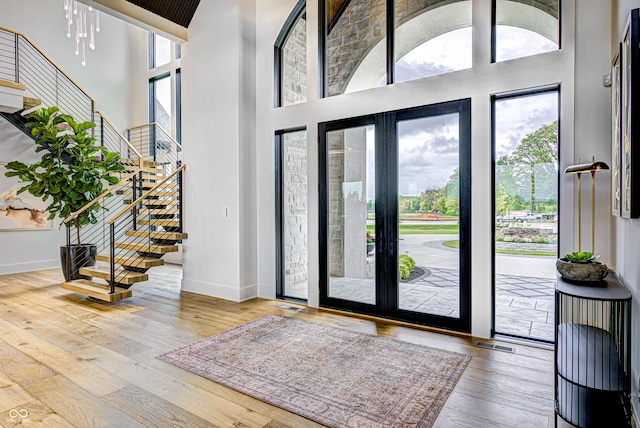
626	232
107	77
219	258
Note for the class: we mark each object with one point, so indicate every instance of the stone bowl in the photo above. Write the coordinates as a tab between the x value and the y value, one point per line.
591	271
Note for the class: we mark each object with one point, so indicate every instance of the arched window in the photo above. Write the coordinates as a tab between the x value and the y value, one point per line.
291	59
368	45
523	28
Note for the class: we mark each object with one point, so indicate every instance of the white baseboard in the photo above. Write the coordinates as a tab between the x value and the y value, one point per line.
29	266
220	291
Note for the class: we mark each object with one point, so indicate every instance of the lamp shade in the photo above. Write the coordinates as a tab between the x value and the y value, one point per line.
586	167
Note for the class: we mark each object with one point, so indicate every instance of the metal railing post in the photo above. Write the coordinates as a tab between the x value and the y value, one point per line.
135	210
17	64
180	205
112	257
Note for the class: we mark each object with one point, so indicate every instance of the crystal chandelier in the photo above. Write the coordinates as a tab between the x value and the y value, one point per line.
82	22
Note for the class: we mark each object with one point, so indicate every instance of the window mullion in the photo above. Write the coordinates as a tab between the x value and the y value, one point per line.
390	42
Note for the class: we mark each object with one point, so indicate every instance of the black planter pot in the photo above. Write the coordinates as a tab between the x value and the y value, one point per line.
75	257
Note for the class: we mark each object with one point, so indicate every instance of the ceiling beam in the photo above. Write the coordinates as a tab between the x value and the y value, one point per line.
140	17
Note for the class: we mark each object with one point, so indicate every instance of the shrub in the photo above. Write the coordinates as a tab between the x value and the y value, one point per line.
404	271
406	266
508	239
406	259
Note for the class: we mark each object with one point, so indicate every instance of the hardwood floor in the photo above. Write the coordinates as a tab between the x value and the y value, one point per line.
69	361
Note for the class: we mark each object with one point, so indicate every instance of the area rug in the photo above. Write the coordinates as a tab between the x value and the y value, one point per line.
333	376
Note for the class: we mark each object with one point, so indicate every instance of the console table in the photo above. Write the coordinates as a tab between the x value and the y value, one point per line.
593	352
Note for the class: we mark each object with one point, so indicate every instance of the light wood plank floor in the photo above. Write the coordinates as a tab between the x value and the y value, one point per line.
69	361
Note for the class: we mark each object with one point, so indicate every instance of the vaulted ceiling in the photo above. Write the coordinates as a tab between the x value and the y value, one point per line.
179	12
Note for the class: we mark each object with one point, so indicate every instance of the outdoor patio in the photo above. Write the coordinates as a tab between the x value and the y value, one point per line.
524	302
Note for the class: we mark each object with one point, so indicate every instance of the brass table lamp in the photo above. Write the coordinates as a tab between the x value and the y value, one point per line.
578	169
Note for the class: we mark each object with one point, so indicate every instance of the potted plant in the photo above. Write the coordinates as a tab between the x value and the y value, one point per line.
581	266
371	242
72	172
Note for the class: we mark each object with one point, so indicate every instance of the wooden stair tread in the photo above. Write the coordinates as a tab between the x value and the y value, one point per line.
29	102
154	177
167	211
122	276
147	248
136	262
96	290
172	236
148	185
10	84
135	162
153	169
152	193
160	222
154	202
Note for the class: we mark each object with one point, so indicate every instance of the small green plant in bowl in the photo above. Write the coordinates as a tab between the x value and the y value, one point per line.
581	257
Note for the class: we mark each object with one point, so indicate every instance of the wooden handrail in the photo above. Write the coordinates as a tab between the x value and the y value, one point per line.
144	196
173	140
149	125
105	193
17	33
129	145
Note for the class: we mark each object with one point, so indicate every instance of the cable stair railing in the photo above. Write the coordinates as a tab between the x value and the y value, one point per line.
120	244
136	237
46	85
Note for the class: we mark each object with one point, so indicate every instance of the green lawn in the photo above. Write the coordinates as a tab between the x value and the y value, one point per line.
424	229
456	244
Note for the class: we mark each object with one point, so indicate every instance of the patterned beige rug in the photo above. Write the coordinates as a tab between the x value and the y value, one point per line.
335	377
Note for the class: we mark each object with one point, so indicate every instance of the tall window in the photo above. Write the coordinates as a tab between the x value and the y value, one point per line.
164	84
291	59
525	140
291	155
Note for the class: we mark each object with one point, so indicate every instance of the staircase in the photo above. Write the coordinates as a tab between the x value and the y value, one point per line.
148	225
142	216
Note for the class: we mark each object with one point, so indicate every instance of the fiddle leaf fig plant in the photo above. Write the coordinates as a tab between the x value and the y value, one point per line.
581	257
73	170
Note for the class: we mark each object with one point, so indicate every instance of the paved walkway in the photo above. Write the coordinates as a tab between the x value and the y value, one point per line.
524	287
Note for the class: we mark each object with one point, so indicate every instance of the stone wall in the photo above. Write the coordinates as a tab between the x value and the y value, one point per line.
335	140
295	207
294	65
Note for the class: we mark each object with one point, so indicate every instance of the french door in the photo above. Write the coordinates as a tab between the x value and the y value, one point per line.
395	211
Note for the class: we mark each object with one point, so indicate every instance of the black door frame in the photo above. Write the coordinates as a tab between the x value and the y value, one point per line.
386	208
279	166
494	99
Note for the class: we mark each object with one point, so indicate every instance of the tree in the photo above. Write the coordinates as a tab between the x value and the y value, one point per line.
538	148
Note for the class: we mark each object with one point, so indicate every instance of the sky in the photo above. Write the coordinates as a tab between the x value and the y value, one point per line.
428	148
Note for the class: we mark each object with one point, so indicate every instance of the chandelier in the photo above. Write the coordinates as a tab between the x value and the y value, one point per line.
82	22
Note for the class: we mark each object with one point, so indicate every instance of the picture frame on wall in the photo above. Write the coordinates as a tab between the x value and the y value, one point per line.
616	135
630	152
23	211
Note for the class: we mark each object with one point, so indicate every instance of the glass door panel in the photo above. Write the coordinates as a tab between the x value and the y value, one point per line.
429	215
351	214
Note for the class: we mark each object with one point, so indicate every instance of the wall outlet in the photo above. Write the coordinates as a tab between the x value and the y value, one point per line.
205	270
